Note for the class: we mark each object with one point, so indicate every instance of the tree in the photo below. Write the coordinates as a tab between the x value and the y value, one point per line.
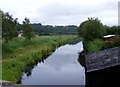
118	30
27	29
9	24
91	29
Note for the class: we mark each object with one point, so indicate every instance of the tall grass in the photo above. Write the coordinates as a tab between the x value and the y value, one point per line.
20	54
98	45
95	45
19	43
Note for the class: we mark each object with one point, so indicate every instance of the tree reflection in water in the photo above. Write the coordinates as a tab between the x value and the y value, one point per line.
81	58
30	67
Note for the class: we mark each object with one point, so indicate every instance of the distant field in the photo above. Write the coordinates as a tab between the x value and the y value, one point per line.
19	54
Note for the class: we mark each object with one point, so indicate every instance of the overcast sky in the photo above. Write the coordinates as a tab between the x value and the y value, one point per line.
62	12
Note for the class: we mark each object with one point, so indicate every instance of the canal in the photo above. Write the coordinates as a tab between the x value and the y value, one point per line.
60	68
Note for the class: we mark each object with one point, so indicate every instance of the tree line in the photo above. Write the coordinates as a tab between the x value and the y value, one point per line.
89	29
54	30
40	29
11	28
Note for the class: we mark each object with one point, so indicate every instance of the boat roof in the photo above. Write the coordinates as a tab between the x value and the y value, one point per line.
103	59
107	36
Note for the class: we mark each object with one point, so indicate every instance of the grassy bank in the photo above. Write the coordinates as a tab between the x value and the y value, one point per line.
20	54
99	45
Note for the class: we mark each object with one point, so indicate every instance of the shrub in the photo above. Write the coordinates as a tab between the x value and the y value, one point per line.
91	29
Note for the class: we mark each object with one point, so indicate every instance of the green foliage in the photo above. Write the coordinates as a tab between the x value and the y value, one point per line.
40	29
118	32
98	45
91	29
95	45
112	30
117	41
19	43
22	57
28	31
9	24
12	45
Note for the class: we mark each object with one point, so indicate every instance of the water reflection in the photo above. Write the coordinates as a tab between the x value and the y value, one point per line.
81	58
60	68
28	70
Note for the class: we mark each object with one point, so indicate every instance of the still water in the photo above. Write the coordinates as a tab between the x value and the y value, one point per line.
60	68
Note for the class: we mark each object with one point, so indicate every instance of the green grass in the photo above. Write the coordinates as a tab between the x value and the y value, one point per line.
94	46
99	45
0	70
20	54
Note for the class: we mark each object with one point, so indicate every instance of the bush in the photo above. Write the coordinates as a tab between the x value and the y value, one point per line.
91	29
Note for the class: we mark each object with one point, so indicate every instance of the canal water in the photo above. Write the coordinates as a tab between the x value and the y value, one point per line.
60	68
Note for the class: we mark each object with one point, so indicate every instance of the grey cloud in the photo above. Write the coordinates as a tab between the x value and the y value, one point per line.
57	13
64	12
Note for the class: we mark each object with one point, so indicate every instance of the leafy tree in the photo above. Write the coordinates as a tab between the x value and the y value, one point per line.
91	29
111	30
27	29
9	25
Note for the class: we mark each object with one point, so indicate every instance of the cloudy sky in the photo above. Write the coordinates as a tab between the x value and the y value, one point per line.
62	12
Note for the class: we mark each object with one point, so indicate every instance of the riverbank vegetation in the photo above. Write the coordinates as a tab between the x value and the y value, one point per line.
24	45
19	55
92	31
